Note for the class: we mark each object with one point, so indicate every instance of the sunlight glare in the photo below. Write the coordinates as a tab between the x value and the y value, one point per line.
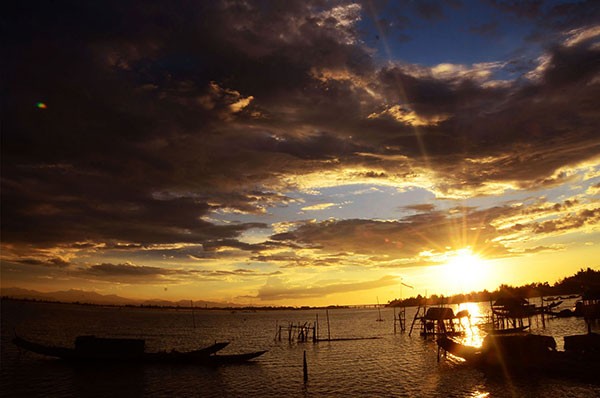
465	271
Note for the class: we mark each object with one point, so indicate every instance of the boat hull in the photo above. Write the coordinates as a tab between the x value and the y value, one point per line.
525	355
91	353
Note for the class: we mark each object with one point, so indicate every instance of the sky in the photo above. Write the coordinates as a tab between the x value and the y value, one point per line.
298	152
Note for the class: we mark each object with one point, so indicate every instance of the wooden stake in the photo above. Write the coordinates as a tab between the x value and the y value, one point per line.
328	329
305	368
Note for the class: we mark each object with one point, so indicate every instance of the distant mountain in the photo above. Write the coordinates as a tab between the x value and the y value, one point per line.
82	296
67	296
17	292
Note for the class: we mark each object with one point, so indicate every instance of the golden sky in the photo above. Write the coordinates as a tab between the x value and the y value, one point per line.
299	153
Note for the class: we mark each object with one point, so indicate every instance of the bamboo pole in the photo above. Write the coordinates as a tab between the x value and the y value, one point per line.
305	368
414	320
328	328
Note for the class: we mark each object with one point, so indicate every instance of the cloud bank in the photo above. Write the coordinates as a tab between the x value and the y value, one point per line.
158	117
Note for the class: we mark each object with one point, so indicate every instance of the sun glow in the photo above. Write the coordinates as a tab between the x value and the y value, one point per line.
465	271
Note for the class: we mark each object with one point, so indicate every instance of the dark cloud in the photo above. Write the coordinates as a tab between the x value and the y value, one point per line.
159	115
573	66
53	262
106	269
484	230
569	221
130	273
425	207
241	272
400	239
539	249
215	245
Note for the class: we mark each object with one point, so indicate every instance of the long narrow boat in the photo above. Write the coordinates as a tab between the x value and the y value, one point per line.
233	358
97	349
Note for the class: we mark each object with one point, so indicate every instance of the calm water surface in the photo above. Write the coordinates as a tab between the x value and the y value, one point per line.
394	365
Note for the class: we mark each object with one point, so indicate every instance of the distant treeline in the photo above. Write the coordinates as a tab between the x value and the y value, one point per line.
173	307
584	281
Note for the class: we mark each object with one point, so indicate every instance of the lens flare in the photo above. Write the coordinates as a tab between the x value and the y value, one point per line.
465	270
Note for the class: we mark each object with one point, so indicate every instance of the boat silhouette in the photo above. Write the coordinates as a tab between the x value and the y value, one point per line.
526	353
101	349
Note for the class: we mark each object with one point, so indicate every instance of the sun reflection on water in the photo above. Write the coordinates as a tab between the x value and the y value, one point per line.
473	332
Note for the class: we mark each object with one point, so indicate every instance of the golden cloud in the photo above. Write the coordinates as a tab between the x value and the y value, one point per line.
409	117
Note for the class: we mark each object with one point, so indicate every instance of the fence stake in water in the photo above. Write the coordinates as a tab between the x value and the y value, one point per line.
328	329
305	368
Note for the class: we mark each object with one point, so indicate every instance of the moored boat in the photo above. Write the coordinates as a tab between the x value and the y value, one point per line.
529	353
99	349
233	358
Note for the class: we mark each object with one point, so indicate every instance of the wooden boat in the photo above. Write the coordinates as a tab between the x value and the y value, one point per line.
553	304
566	313
97	349
583	344
529	353
502	349
233	358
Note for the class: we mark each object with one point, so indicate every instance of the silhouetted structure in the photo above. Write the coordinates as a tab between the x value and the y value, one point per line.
401	319
439	321
510	313
590	307
298	332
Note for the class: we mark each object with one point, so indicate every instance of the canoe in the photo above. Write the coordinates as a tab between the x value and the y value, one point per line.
97	349
233	358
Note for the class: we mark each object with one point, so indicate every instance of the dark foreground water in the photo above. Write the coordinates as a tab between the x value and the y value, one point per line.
394	365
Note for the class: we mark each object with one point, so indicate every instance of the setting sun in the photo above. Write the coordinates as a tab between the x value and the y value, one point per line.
465	270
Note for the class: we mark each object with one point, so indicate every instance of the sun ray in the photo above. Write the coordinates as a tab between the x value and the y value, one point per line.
465	270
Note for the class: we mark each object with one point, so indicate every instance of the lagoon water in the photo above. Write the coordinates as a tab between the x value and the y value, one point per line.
393	365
